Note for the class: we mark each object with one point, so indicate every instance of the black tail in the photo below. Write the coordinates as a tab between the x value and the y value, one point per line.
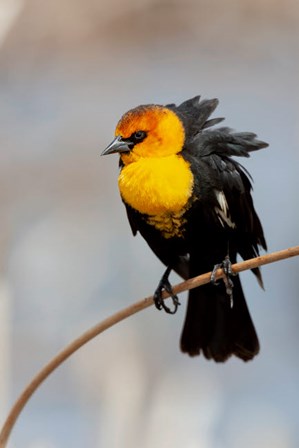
216	329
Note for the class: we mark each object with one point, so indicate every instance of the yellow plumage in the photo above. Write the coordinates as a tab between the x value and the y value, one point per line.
159	187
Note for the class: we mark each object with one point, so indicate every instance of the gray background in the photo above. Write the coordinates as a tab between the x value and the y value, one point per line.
69	70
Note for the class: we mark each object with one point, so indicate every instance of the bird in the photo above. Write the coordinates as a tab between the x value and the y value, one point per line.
190	199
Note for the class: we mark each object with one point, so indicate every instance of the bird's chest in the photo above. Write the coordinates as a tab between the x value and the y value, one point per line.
159	189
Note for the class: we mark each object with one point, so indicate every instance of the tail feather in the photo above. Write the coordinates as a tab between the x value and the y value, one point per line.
216	329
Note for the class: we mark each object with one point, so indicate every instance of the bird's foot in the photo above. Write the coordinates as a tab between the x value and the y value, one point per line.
226	266
165	285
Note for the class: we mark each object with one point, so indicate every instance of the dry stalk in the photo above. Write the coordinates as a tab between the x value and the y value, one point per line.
117	317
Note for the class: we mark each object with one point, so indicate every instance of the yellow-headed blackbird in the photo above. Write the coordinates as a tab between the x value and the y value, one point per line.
192	203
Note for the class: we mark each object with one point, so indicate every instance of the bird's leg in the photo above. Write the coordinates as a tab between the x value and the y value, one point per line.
164	284
226	266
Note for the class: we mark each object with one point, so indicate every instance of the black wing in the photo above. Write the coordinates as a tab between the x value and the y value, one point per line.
221	183
223	187
210	154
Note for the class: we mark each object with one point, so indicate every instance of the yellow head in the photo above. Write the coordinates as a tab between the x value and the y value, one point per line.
147	131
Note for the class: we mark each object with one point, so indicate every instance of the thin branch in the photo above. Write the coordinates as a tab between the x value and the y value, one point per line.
118	317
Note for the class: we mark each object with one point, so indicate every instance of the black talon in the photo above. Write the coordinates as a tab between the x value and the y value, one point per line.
213	275
226	266
164	284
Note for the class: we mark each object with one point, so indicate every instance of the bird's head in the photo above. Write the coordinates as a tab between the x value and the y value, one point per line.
147	131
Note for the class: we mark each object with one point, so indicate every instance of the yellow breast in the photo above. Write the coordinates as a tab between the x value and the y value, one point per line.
157	186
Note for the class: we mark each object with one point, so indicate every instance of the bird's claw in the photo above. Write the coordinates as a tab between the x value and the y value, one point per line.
226	266
165	285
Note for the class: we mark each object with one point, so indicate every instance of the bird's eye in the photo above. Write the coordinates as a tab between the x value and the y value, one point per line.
139	135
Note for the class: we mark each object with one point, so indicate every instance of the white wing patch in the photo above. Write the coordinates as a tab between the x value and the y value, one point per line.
223	210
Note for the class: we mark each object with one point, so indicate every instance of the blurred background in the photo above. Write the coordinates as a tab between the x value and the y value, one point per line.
69	70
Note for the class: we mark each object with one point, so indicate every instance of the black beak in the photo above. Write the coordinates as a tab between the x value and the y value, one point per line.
118	145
